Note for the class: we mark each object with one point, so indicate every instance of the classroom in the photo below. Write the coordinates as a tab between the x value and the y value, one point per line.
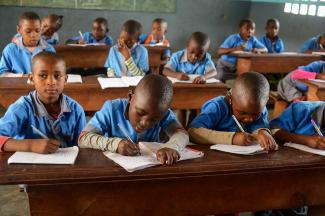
162	107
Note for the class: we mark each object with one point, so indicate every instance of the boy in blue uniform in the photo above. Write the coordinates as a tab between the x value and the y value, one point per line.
246	101
313	44
193	60
127	57
144	116
99	34
290	89
244	41
50	25
16	56
57	116
271	40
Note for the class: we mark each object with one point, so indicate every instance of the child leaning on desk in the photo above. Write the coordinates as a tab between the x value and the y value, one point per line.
240	118
122	123
45	119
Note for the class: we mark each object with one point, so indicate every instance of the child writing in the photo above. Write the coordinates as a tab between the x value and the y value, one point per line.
44	111
16	56
290	89
271	40
246	103
99	34
127	57
244	41
313	44
50	25
143	117
157	36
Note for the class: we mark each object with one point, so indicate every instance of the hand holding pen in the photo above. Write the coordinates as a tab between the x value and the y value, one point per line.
127	146
45	145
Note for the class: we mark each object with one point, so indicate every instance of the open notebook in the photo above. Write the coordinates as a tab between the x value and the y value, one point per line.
61	156
235	149
147	157
123	81
306	148
192	77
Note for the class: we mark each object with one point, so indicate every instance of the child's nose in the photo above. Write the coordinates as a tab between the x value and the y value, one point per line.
51	80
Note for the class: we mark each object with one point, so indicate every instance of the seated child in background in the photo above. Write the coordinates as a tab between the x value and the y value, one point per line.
16	56
294	124
313	44
246	101
271	40
244	41
50	25
127	57
157	36
290	89
144	116
56	115
99	34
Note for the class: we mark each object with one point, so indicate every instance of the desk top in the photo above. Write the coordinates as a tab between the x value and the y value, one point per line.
276	55
92	166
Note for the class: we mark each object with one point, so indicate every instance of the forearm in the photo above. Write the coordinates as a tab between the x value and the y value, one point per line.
12	145
210	74
133	68
222	51
97	141
285	136
210	137
261	50
169	72
178	141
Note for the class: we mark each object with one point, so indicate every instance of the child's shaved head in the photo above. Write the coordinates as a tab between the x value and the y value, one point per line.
252	87
200	39
132	27
28	16
45	56
156	87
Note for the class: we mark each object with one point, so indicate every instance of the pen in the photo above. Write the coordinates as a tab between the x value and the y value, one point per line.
126	134
238	124
39	132
316	127
82	37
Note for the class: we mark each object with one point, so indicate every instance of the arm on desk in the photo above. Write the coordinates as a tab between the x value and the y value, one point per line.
222	51
210	137
259	50
179	75
97	141
42	146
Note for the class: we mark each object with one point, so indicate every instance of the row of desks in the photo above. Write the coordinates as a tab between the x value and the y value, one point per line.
91	96
218	183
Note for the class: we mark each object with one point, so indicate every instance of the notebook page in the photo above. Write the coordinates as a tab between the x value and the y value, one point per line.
131	80
306	148
235	149
74	78
192	77
318	80
61	156
111	83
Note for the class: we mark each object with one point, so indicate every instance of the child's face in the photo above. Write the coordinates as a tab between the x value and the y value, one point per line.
30	31
49	78
128	39
159	30
99	31
48	28
272	29
145	112
195	52
247	31
245	111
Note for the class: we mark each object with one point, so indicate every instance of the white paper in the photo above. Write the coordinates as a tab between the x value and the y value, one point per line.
235	149
192	77
306	148
319	53
9	74
61	156
84	45
318	80
148	156
131	80
74	78
111	83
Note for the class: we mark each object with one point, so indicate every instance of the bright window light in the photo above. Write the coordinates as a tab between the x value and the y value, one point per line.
287	8
321	11
312	10
303	9
295	8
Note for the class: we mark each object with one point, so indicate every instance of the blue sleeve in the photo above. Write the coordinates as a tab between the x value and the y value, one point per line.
109	57
101	121
5	62
262	121
209	66
142	38
307	45
80	123
14	120
50	49
109	40
144	61
315	66
167	52
173	62
209	117
281	48
286	120
228	43
76	38
258	44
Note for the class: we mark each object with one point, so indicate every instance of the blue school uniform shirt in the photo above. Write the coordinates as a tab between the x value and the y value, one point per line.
106	120
235	40
216	115
29	110
116	61
179	63
16	58
53	40
311	44
297	118
272	47
89	38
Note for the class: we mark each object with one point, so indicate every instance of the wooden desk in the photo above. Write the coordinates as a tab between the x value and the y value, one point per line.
273	63
215	184
95	56
91	97
316	90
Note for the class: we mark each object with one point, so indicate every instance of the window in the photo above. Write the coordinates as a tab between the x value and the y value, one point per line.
306	7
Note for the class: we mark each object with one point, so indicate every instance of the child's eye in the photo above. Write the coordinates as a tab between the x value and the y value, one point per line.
58	76
43	76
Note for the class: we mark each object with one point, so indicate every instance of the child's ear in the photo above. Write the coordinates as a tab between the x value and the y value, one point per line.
18	29
130	94
31	78
66	79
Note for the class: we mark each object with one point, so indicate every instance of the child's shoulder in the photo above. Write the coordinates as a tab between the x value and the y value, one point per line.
304	106
217	103
116	105
24	104
140	49
73	104
11	47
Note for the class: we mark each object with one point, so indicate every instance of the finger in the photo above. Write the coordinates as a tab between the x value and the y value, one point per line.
160	158
175	157
163	158
55	142
169	160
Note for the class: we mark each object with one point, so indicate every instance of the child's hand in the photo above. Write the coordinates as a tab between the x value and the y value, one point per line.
241	47
123	49
320	76
182	76
243	139
44	146
167	156
317	142
266	140
257	51
199	80
125	147
82	41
